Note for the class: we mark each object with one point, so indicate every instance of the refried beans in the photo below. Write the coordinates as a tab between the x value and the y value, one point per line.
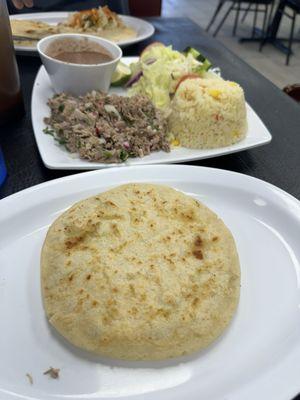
82	51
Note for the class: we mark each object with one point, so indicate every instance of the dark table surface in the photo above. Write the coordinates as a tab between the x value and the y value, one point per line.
277	162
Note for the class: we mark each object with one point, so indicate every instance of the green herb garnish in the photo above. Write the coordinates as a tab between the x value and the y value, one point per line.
60	140
107	154
61	108
124	155
48	131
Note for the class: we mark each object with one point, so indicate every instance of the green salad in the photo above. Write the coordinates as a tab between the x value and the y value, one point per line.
160	69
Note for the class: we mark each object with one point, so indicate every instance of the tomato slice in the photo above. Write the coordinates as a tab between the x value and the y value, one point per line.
184	78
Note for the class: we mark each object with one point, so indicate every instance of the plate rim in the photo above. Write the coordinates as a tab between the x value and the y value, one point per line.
267	138
258	385
252	180
63	14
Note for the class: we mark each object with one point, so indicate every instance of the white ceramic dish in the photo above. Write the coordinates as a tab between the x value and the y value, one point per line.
78	79
143	28
55	156
258	357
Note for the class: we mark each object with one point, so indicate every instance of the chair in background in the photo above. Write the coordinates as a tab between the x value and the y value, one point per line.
255	6
294	6
217	10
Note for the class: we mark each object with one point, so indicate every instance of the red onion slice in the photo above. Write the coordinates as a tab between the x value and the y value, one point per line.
139	74
134	79
150	61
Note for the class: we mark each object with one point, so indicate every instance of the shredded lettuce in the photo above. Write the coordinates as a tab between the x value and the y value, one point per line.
162	69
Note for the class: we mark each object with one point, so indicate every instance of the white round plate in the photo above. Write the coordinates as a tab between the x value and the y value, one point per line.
258	357
143	28
56	156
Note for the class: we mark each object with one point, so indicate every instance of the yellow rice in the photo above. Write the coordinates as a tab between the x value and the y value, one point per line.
208	113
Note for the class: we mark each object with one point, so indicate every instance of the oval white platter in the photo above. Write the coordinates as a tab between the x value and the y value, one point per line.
56	156
258	357
143	28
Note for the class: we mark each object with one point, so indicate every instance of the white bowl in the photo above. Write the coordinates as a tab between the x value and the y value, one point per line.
78	79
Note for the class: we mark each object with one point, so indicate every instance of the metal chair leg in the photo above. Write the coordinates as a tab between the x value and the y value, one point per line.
223	20
291	39
217	10
246	12
264	41
263	32
236	19
264	25
254	20
271	12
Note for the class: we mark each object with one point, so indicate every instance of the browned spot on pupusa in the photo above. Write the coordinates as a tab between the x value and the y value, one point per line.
198	241
195	301
133	311
115	229
132	289
188	215
70	243
104	340
110	203
197	252
143	297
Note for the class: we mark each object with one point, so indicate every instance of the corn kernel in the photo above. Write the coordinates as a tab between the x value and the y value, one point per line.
215	93
175	142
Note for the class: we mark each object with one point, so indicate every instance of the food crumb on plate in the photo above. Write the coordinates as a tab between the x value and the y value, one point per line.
29	378
52	372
